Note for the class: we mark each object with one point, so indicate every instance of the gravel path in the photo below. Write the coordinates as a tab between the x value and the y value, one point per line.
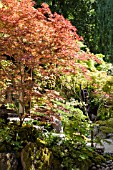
108	148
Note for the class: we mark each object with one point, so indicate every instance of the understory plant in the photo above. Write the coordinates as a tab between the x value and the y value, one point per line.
71	148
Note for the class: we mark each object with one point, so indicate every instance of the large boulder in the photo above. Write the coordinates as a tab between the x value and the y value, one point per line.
37	156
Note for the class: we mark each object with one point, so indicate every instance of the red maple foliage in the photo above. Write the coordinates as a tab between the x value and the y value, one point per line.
35	36
36	39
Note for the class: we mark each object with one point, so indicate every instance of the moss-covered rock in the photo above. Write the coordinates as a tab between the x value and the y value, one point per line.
37	156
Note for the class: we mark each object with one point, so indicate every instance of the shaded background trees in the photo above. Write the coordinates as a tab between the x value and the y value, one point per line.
93	20
104	28
81	14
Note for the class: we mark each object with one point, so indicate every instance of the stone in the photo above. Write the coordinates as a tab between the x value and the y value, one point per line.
111	167
107	168
103	168
109	135
108	145
93	164
38	157
57	125
93	168
103	164
8	161
109	161
98	166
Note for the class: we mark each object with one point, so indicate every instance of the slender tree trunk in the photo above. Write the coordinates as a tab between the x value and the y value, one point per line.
21	108
21	97
92	144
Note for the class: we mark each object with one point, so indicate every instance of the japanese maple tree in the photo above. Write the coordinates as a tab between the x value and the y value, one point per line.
35	40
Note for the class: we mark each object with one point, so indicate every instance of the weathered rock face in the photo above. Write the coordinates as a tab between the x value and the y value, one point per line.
8	161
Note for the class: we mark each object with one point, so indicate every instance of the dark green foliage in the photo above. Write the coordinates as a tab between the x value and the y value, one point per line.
14	138
81	14
70	151
93	20
104	27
